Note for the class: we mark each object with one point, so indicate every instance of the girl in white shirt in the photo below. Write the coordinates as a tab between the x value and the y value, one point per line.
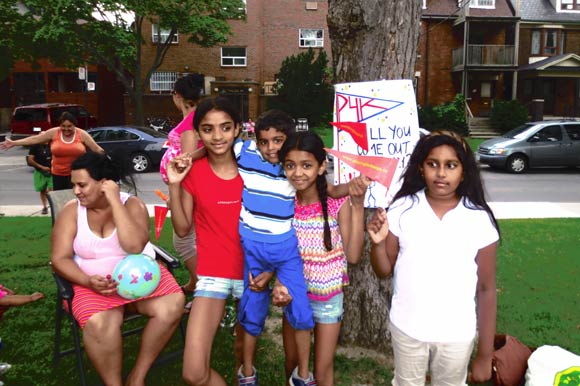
439	240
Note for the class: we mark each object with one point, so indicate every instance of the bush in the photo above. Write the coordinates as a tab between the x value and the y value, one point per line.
303	88
446	116
507	115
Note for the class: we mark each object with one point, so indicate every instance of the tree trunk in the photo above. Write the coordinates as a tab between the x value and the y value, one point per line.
371	40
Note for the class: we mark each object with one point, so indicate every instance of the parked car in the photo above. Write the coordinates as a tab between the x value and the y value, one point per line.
140	147
535	144
45	116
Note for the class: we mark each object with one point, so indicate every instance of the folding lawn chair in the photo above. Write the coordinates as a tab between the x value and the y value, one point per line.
65	293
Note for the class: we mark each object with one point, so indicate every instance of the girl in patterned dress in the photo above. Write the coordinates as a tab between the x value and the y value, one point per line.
325	247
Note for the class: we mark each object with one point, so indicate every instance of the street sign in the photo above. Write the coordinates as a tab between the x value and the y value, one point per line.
90	86
82	73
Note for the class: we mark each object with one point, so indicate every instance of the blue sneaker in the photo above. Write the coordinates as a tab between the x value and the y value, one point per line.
252	380
295	379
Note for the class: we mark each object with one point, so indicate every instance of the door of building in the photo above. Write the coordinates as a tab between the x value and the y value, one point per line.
239	97
486	95
549	94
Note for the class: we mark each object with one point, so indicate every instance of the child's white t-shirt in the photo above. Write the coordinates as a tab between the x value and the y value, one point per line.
435	276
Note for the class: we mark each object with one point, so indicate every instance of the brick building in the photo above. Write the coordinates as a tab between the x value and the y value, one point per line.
245	68
524	49
469	50
549	55
48	83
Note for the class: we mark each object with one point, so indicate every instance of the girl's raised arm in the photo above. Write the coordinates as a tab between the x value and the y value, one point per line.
384	244
180	201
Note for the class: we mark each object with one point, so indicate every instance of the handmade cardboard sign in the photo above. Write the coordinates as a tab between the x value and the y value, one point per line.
384	115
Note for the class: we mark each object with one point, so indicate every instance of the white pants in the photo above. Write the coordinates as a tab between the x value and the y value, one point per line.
446	362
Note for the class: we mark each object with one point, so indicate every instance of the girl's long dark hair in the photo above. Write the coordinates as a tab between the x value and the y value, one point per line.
220	104
471	187
310	142
101	166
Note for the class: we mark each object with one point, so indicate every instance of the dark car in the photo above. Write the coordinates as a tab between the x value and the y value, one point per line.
25	119
536	144
141	147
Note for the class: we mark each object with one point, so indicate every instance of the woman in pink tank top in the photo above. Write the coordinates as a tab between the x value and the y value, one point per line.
92	234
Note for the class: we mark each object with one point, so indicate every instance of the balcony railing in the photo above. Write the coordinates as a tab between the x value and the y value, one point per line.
485	55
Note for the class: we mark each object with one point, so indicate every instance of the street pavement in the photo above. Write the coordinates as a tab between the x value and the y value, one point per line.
502	210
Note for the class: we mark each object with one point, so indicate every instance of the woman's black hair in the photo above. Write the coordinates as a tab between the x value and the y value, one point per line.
68	116
101	166
310	142
470	189
220	104
190	87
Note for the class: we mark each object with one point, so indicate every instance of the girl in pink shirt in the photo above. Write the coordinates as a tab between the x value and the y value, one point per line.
182	139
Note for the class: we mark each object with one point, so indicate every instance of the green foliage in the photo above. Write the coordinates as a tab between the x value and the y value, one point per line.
446	116
326	133
507	115
303	88
536	287
110	32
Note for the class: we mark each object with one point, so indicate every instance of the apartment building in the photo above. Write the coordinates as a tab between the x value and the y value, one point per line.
244	69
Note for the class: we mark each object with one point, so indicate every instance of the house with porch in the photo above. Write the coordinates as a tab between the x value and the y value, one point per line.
468	49
549	56
501	49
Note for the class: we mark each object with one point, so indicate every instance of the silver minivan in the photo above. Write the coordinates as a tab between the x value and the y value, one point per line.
535	144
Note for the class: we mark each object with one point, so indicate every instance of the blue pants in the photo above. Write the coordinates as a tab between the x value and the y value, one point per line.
283	259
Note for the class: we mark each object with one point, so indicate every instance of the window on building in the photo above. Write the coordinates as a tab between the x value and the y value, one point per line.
478	3
160	36
68	81
569	6
234	56
536	43
424	4
162	81
548	42
311	38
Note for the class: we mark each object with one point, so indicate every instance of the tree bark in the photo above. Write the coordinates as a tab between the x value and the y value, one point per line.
371	40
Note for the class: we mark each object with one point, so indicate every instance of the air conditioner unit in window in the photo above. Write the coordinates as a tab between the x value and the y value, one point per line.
311	5
269	88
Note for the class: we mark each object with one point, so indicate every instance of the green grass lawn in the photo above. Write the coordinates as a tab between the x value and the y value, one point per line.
538	301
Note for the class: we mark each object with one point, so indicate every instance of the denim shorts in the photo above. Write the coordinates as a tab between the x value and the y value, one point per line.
328	312
218	288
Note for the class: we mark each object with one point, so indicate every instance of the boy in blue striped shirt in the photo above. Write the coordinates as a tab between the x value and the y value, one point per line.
270	243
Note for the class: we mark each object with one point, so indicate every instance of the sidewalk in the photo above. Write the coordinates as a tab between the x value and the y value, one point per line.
502	210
